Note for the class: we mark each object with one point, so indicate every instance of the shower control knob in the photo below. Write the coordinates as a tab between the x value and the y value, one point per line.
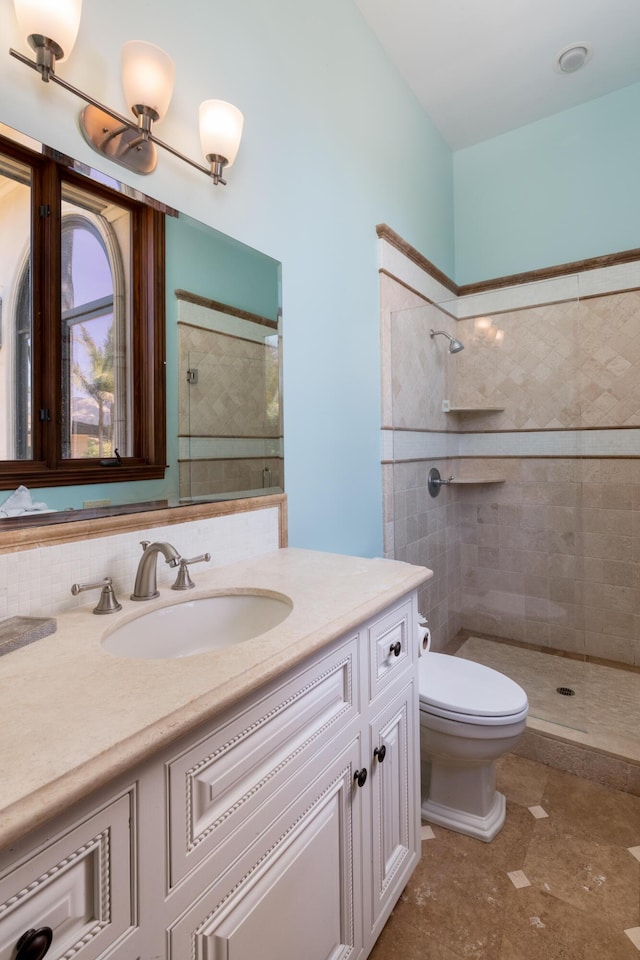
380	753
395	649
360	777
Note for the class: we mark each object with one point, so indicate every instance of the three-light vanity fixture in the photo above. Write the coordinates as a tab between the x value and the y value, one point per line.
147	78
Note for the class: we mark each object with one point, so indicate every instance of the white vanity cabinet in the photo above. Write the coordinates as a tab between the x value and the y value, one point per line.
316	796
284	828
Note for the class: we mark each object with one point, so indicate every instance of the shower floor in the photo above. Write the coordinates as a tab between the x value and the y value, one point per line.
604	712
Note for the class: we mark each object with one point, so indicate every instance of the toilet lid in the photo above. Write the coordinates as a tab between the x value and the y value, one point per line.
451	685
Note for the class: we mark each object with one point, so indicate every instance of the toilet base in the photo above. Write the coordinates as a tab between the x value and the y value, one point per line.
482	828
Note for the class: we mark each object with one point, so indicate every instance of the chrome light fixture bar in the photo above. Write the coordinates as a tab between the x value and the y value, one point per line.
147	74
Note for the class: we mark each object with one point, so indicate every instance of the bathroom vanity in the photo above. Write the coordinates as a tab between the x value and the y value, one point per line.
257	801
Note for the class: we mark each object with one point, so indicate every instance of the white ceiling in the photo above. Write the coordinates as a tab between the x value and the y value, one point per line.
483	67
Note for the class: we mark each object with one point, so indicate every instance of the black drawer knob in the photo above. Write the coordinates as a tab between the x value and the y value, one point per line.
395	649
380	753
360	777
33	944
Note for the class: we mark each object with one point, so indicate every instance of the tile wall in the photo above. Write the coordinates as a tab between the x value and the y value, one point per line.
565	365
424	531
551	555
418	528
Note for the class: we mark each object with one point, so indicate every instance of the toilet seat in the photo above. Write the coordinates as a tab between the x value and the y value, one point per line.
468	692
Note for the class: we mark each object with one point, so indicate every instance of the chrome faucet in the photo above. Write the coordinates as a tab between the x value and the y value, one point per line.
146	586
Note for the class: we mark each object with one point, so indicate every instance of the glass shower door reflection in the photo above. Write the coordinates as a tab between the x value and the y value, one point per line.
505	541
230	422
523	550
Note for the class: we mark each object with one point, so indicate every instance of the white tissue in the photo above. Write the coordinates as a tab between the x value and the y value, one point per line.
424	634
19	503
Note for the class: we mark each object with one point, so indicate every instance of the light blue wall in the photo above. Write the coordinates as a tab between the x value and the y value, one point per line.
206	262
334	144
562	189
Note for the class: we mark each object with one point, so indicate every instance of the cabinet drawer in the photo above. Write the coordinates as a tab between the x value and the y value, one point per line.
79	885
245	764
390	647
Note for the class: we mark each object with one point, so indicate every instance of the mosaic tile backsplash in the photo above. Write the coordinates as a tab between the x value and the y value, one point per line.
37	582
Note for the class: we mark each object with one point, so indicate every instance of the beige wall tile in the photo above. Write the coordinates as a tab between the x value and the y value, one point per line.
553	554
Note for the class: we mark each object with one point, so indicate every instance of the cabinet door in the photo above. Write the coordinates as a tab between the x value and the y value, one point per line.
296	894
79	885
395	834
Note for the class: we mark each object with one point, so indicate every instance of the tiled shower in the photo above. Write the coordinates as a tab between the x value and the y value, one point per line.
537	538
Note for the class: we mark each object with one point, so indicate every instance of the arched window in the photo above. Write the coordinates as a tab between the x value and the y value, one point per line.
94	387
94	381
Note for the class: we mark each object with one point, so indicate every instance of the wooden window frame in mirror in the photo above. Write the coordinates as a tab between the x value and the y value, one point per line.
48	468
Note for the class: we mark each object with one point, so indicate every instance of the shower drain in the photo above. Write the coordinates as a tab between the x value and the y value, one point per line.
566	691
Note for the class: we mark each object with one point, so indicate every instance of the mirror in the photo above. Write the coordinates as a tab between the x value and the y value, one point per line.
229	410
223	372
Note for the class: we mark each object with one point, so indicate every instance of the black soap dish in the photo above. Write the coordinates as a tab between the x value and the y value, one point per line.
17	632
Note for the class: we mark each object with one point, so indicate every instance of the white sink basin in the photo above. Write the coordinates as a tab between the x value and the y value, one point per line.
197	626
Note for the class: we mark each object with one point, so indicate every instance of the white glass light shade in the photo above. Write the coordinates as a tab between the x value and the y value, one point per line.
58	20
220	129
147	76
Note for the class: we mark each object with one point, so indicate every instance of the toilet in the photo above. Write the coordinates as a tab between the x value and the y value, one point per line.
469	716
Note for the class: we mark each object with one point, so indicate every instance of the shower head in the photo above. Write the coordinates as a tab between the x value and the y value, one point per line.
454	345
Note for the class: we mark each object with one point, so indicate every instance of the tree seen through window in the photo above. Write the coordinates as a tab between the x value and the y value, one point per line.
89	392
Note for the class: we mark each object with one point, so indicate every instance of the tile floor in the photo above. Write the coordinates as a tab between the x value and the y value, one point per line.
561	881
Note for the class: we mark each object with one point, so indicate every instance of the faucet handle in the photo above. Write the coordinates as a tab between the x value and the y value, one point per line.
108	602
183	580
144	544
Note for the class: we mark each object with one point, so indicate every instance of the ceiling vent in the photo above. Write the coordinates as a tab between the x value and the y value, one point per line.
573	57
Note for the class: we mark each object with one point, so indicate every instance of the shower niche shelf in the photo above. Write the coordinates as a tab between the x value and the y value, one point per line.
468	481
460	410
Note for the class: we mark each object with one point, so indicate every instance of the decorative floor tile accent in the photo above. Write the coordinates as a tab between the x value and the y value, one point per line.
538	812
634	936
576	896
427	833
518	879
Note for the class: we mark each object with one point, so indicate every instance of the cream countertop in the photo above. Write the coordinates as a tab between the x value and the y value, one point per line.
73	717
